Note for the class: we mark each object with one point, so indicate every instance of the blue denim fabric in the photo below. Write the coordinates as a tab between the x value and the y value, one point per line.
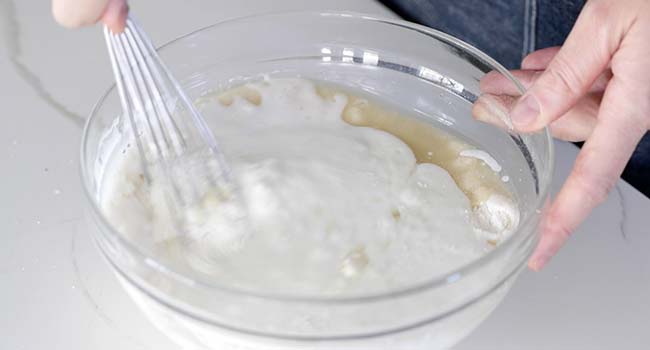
507	30
494	26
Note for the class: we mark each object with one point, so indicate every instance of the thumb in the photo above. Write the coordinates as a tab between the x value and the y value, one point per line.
114	16
78	13
570	74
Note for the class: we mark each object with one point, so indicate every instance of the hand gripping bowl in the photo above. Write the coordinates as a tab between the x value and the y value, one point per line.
428	73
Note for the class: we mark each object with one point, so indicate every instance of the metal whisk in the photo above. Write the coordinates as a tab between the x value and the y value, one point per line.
176	146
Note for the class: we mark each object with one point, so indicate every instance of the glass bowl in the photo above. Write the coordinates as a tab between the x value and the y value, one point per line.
432	75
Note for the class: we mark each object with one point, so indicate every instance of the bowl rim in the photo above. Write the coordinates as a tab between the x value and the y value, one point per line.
451	276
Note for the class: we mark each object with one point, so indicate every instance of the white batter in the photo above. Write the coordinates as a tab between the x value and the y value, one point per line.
332	208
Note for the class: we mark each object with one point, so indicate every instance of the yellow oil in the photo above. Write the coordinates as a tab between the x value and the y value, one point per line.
428	143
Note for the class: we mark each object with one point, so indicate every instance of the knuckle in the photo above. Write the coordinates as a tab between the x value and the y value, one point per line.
598	10
536	75
555	226
564	77
605	21
592	184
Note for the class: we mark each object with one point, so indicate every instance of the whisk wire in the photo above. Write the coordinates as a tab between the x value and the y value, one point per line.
148	86
199	122
127	108
170	133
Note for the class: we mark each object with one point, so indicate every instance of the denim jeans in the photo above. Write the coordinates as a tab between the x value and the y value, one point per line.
508	30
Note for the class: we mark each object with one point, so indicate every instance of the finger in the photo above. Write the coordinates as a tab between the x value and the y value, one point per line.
77	13
599	165
585	54
498	84
539	59
575	125
115	15
494	109
578	124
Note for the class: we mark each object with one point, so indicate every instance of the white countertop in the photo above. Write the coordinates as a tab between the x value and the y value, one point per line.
56	292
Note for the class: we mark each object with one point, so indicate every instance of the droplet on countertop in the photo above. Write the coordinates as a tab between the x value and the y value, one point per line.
396	214
505	178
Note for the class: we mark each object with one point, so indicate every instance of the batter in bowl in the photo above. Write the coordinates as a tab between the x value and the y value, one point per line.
341	196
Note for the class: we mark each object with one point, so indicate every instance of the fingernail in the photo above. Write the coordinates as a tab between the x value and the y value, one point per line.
494	110
526	111
538	263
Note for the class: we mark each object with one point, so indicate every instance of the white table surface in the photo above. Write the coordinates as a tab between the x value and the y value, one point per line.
57	293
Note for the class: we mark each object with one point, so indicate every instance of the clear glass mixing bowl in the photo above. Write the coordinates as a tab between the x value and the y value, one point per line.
432	75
